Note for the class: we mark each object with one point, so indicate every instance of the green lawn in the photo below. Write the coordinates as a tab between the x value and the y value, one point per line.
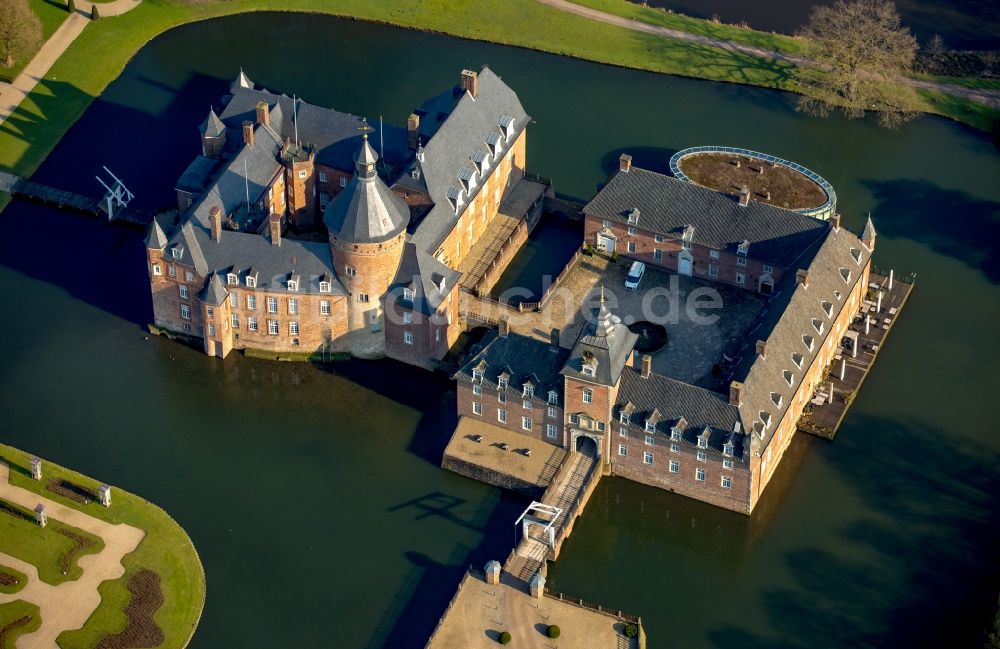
166	549
13	611
51	16
21	578
966	82
47	548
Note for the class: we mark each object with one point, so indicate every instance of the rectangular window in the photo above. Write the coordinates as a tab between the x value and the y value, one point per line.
185	312
740	279
172	270
293	306
699	475
552	412
551	431
188	276
526	405
502	397
714	254
211	328
623	432
210	312
343	181
768	269
302	173
702	442
501	415
701	456
236	321
408	337
675	448
184	291
622	450
324	287
293	328
526	423
272	304
649	439
477	408
477	389
252	323
324	307
156	269
632	232
233	299
726	482
647	458
251	282
605	223
658	238
322	176
727	464
350	272
675	466
658	255
272	327
363	297
501	383
631	246
407	317
686	245
588	396
741	261
408	294
252	302
553	397
713	270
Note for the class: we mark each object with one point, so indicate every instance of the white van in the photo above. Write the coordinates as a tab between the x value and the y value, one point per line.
635	274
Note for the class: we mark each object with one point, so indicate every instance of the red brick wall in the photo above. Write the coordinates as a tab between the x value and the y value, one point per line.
314	328
165	291
515	411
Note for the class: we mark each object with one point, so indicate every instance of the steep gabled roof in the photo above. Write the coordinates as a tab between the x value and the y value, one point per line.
669	206
521	357
423	274
214	292
604	341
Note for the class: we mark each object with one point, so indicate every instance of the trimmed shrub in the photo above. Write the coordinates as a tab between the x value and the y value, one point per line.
552	631
631	630
94	13
504	638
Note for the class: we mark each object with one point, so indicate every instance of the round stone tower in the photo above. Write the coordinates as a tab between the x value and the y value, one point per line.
367	229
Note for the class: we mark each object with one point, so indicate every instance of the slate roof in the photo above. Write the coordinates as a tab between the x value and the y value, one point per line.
366	211
790	315
523	358
157	238
241	81
214	292
336	135
197	174
609	341
423	273
212	126
675	400
666	205
468	125
869	233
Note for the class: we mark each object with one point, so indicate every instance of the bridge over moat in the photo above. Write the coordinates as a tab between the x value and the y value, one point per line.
114	204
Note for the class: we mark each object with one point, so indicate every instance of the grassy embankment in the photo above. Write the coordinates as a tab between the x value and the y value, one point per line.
50	16
13	623
166	550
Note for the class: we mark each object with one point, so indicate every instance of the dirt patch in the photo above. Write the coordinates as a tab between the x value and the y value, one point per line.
787	188
80	543
10	627
141	630
70	490
7	579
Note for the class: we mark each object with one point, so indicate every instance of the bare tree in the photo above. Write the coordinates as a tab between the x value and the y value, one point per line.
20	29
861	51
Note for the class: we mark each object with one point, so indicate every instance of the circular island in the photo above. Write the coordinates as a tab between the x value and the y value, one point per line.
769	179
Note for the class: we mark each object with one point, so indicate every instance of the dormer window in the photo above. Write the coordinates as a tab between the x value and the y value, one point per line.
845	273
442	285
477	375
727	449
702	442
818	325
797	359
408	294
776	399
742	249
468	178
324	287
809	341
502	383
507	124
293	285
177	252
528	391
623	418
856	254
789	377
455	196
481	159
688	234
633	215
765	418
836	294
650	426
588	370
675	434
493	140
553	397
232	279
827	308
251	281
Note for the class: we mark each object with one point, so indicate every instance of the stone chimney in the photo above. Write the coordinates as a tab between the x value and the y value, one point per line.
762	348
504	327
274	224
835	222
625	162
647	365
735	393
493	573
36	468
802	277
263	113
215	214
248	133
470	82
554	340
744	197
413	130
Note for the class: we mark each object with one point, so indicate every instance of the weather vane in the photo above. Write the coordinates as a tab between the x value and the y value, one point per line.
364	128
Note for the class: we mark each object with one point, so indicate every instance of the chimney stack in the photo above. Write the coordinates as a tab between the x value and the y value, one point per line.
274	223
647	365
735	393
761	348
744	197
835	222
504	327
216	215
263	113
470	82
248	133
625	162
802	277
554	340
413	130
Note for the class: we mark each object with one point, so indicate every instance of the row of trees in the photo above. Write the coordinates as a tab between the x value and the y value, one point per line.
21	31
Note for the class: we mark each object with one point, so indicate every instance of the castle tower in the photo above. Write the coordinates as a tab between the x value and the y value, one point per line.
213	135
366	224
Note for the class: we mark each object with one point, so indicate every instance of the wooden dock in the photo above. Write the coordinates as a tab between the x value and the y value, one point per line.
63	200
823	416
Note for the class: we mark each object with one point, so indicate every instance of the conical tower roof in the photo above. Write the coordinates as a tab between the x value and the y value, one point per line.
156	239
869	233
242	81
213	126
366	211
215	293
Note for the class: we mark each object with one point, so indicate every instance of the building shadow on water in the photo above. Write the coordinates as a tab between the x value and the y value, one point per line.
916	210
920	570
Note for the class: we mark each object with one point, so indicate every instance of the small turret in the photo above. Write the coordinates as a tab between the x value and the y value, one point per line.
868	236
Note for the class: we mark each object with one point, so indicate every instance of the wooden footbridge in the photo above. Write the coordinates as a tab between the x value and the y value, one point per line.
114	204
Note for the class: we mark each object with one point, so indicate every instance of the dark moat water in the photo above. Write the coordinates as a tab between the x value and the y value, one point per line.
314	497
